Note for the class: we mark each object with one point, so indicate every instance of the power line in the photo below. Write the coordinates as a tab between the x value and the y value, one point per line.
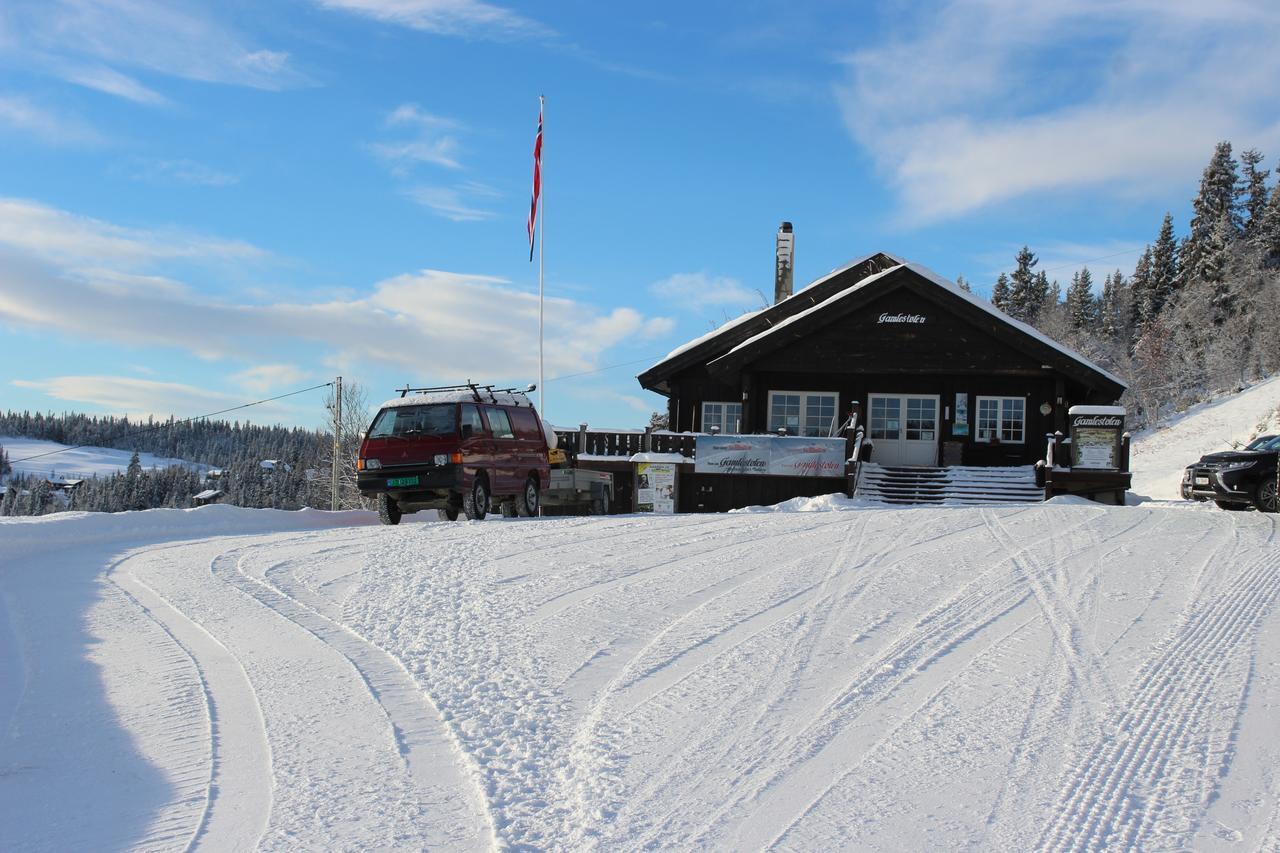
1091	260
175	423
603	369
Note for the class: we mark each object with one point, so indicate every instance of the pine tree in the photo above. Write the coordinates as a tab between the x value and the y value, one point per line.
1025	296
1140	289
1219	196
1164	267
1266	237
1082	308
1255	190
6	468
1001	294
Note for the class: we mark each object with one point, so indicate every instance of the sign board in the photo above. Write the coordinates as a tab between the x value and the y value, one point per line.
1095	436
770	455
960	426
656	487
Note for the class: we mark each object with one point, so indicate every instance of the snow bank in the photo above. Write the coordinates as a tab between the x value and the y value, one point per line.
824	503
1158	457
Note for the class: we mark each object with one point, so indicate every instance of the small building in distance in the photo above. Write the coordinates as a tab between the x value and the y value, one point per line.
939	375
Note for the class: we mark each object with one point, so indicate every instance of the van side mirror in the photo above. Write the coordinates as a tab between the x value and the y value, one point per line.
468	430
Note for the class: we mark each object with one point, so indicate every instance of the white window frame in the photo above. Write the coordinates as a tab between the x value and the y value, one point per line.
1000	417
805	397
719	419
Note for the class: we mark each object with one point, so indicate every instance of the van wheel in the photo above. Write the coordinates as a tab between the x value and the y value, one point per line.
475	503
449	513
600	506
1264	497
527	502
388	509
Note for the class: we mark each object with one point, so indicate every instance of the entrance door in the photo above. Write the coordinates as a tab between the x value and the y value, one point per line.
904	428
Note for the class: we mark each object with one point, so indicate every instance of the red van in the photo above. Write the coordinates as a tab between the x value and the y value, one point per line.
457	448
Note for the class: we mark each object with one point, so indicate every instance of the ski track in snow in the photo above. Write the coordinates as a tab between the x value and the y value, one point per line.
1055	677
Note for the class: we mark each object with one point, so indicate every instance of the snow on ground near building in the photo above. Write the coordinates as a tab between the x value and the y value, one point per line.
1053	676
1158	458
81	462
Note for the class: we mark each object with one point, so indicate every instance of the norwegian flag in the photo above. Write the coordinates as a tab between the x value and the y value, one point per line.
537	180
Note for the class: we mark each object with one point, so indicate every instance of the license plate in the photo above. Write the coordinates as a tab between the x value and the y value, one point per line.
402	481
1202	481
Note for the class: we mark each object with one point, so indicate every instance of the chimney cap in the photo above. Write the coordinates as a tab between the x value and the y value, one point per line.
785	228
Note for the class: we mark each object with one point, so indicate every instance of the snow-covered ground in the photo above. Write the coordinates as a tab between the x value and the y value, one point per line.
1058	676
80	463
1158	457
820	675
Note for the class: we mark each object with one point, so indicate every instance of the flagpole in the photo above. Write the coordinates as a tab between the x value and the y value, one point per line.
542	237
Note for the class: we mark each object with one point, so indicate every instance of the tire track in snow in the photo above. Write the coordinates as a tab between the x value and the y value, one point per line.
424	744
239	790
1162	747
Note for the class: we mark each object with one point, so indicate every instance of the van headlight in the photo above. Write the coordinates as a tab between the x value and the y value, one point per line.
372	464
442	459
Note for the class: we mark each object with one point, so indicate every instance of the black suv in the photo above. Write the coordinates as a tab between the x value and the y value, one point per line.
1236	479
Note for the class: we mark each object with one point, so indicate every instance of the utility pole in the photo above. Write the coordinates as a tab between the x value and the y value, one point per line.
337	439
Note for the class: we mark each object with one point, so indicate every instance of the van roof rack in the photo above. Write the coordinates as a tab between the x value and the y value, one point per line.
475	389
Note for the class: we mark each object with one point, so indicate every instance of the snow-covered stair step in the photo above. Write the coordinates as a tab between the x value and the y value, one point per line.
956	485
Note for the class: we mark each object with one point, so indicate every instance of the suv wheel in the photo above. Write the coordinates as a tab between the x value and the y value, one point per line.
388	509
1264	497
527	501
475	503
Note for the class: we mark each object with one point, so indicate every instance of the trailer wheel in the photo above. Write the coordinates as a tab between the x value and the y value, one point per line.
388	509
509	508
600	506
448	513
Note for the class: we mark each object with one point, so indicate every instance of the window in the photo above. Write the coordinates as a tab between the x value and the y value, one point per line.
886	417
922	419
406	421
725	417
470	416
499	423
1002	418
803	412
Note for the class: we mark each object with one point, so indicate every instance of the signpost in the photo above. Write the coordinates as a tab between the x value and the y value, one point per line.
772	455
1095	436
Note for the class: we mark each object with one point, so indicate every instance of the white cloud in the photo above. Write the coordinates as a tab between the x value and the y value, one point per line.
19	113
113	82
449	202
982	102
158	36
266	377
447	325
142	398
698	290
182	172
432	141
56	234
445	17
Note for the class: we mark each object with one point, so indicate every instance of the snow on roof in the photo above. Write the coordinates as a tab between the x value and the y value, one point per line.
501	398
953	288
207	494
1096	410
739	320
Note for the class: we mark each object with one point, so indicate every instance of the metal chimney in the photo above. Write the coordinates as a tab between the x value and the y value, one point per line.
782	279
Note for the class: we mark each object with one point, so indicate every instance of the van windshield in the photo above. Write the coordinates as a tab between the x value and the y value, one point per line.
409	421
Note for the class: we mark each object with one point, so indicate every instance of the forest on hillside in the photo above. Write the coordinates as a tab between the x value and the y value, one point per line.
1197	316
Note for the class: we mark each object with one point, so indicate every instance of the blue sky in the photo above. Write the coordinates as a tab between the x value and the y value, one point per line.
203	204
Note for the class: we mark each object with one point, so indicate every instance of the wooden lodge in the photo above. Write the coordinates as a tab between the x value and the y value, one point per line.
941	377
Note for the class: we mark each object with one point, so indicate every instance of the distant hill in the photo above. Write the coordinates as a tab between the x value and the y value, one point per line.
56	460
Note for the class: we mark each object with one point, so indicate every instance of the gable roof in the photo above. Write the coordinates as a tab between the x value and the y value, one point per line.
851	287
703	349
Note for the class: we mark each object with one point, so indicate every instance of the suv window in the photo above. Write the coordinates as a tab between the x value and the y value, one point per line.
499	423
526	423
470	416
413	420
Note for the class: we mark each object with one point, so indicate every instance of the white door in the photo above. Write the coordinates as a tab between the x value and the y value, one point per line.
904	429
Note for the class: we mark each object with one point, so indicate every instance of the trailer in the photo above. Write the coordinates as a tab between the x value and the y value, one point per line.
577	491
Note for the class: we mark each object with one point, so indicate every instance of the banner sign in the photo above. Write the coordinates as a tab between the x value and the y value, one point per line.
960	426
656	487
771	455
